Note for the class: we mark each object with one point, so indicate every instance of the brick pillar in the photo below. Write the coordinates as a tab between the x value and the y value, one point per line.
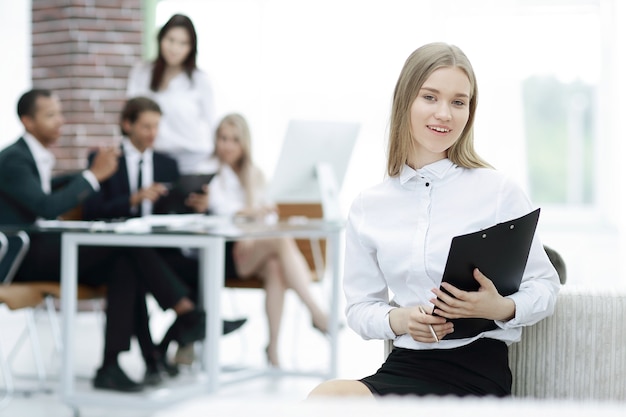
83	50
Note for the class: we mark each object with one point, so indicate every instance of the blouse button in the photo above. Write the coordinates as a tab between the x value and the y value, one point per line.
427	184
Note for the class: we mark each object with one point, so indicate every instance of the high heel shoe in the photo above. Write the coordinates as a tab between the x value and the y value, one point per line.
319	329
229	326
274	363
325	331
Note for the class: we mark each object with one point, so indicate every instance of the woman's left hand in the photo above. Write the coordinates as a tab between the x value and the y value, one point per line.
486	303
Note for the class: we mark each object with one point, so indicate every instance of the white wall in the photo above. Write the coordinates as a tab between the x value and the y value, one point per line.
274	60
15	73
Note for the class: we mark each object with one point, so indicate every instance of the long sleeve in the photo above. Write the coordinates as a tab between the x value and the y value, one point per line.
398	238
365	286
23	200
188	120
105	205
113	199
138	83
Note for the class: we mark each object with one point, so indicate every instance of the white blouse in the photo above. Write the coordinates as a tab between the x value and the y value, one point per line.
186	128
227	196
398	237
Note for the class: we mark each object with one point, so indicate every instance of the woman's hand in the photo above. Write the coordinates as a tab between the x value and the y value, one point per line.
417	323
199	202
486	303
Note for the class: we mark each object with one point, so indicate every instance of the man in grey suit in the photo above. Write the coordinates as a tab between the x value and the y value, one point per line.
28	192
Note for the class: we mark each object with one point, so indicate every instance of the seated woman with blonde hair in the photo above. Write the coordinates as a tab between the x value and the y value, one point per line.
238	190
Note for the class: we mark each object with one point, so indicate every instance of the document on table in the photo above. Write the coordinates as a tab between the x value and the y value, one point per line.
191	222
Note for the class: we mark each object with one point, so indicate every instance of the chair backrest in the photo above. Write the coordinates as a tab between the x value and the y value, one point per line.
557	262
4	245
17	246
314	250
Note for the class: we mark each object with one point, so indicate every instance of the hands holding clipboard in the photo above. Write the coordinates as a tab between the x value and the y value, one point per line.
483	262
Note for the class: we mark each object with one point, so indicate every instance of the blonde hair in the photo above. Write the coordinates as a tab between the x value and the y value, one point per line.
248	174
417	68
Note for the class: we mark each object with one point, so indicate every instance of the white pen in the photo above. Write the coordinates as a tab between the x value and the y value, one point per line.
430	326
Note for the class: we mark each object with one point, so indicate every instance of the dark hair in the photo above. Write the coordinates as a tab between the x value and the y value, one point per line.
182	21
26	105
134	107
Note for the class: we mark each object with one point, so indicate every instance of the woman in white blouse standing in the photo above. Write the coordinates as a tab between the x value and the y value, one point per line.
238	190
399	234
183	92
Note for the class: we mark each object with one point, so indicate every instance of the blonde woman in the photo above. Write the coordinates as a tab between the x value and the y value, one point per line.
399	234
238	189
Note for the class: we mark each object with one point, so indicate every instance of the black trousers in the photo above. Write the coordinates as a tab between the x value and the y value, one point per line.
187	267
128	274
184	267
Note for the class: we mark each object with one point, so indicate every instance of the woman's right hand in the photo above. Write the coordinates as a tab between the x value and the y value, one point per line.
415	322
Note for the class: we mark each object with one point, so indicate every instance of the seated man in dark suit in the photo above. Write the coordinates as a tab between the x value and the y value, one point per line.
28	192
144	176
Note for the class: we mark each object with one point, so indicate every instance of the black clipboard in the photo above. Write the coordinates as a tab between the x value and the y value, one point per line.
501	253
174	201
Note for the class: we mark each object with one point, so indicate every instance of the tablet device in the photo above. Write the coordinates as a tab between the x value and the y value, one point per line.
174	201
193	183
500	252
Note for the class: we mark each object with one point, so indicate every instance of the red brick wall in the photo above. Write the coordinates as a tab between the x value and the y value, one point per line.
83	50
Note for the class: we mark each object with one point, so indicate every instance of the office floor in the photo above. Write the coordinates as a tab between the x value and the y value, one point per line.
302	347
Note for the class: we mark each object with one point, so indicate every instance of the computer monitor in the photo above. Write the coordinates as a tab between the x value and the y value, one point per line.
313	161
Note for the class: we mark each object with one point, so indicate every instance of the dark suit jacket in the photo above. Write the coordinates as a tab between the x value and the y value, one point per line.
22	200
113	199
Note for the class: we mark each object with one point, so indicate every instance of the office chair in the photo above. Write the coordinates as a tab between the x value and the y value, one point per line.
37	297
314	252
4	366
17	244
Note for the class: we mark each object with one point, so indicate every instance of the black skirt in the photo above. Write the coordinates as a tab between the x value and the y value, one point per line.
478	369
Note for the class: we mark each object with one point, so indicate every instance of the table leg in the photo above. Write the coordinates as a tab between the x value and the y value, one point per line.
212	283
334	304
69	279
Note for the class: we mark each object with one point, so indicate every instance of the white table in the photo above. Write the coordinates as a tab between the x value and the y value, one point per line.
210	243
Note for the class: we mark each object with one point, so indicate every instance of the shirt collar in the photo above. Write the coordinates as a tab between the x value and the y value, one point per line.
41	155
131	151
436	170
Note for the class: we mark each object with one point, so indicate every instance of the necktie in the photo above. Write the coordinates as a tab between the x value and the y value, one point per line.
139	184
